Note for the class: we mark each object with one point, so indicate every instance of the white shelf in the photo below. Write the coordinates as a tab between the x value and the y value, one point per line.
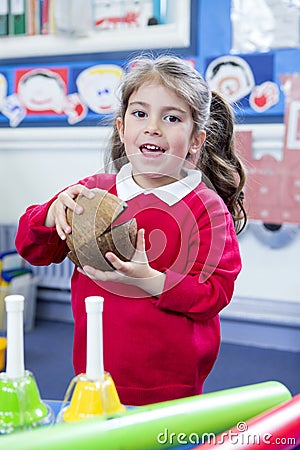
173	35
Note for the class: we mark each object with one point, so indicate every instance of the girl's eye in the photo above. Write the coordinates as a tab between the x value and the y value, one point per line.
172	119
140	114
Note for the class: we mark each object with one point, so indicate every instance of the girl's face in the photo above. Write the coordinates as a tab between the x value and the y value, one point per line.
157	133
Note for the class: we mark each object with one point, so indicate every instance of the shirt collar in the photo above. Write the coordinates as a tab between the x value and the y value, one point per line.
171	193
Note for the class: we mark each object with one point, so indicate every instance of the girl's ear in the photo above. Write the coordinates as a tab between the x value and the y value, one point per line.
120	128
197	142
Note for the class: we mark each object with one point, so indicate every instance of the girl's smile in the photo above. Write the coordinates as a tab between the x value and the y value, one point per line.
151	150
158	134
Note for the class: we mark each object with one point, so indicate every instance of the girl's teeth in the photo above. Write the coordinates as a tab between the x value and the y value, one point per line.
151	148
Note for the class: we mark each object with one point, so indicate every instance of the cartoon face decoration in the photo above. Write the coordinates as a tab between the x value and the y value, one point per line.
3	89
42	90
97	87
230	76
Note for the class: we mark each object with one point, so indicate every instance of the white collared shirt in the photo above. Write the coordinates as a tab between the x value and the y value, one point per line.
171	193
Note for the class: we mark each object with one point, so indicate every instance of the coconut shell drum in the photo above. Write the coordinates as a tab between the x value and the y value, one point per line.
93	233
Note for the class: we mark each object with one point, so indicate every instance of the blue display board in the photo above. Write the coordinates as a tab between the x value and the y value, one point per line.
60	94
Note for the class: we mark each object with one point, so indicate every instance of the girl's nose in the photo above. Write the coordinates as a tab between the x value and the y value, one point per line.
152	128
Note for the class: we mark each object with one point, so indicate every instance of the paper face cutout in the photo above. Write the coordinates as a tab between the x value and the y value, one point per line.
231	76
97	87
42	90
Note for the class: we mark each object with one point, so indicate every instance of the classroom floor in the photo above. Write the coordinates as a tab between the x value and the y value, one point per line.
48	355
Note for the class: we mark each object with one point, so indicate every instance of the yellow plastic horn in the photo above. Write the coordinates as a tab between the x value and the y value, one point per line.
95	393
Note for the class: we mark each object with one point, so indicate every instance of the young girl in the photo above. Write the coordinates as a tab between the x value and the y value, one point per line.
173	150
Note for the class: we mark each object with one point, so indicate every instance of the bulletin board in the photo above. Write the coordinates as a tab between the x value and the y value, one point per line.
260	44
81	89
58	94
248	82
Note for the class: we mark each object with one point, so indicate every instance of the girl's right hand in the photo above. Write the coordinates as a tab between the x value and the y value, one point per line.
56	216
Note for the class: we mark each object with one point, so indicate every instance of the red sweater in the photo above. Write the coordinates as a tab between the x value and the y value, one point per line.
155	349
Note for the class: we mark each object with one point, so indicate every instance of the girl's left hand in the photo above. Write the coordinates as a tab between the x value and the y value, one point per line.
136	272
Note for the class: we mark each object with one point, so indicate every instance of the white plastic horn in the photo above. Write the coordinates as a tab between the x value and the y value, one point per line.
94	357
15	336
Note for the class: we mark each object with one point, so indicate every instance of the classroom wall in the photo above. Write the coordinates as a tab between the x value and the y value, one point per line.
37	163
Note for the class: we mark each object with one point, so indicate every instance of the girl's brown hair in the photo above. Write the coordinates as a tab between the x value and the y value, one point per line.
218	159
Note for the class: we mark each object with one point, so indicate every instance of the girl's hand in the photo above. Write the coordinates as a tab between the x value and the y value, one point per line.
56	216
136	272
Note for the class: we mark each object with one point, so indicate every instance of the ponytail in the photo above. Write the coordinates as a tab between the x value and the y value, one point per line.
220	163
